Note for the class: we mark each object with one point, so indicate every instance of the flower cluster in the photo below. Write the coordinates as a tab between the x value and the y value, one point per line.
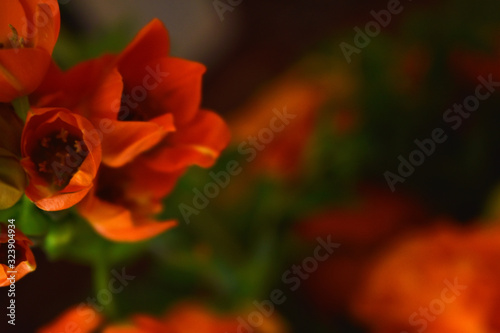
110	136
297	227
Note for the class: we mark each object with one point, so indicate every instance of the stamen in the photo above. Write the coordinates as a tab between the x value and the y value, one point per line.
45	142
14	32
63	135
78	146
16	40
42	167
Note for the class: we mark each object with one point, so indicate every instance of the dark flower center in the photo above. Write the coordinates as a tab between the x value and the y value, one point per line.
58	156
113	187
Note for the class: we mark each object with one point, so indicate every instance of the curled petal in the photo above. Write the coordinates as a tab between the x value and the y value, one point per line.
198	143
129	139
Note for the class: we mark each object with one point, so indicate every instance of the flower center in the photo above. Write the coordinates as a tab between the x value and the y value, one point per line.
58	156
130	108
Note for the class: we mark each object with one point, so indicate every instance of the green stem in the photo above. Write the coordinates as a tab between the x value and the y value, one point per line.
31	221
21	106
101	275
25	207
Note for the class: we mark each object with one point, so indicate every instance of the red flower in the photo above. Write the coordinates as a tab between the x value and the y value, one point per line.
277	125
145	106
298	101
28	33
139	100
441	280
24	259
173	92
61	157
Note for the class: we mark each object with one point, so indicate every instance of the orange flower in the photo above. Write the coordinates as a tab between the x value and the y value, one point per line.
123	202
186	318
142	99
299	101
12	175
24	259
183	318
82	319
61	156
442	280
28	33
192	317
166	90
362	227
277	125
145	106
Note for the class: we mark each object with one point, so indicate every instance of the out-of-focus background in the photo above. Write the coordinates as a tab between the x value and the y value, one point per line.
391	153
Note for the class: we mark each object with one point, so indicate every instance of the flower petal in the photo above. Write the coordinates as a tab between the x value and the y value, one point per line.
128	139
117	223
150	43
179	87
21	71
200	143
